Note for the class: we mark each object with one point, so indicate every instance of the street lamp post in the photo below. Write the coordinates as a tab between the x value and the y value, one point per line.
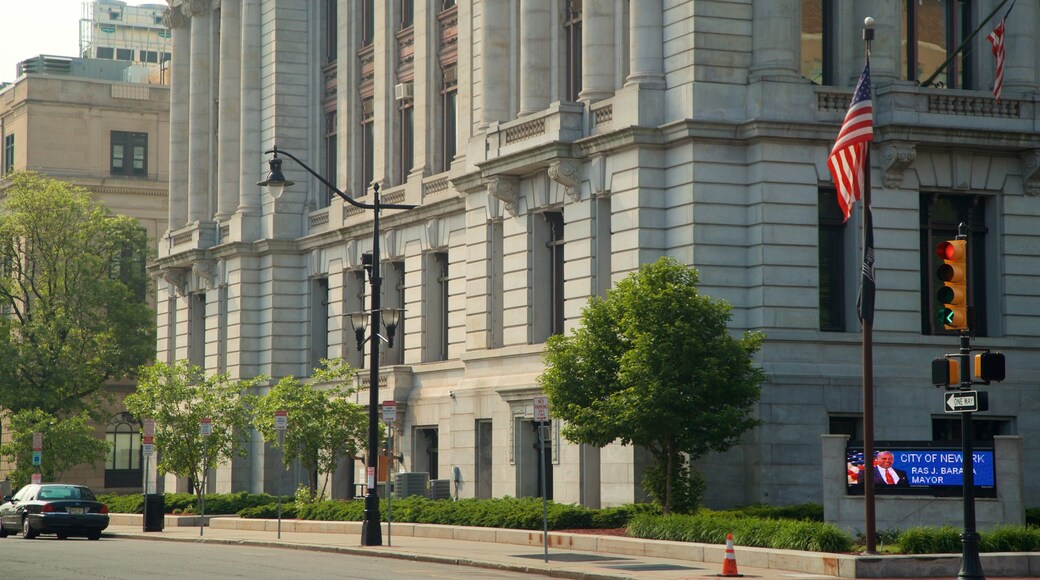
371	534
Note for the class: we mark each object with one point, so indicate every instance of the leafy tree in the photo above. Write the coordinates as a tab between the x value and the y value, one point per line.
73	295
653	365
178	397
67	441
322	422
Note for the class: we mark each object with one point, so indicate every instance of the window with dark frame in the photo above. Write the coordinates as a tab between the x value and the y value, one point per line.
831	242
319	322
818	41
931	31
331	40
8	154
438	306
407	13
406	154
368	144
331	161
556	273
449	115
126	54
984	429
368	22
445	4
940	216
105	53
851	425
123	463
129	153
572	36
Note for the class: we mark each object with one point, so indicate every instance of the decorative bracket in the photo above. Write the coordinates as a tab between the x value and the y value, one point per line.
507	190
1031	171
206	270
895	159
175	278
566	172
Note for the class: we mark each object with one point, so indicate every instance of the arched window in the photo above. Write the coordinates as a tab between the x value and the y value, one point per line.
123	466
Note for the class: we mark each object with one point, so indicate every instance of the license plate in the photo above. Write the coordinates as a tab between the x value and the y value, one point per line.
77	510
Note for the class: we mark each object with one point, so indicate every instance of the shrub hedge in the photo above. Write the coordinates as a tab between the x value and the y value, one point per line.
947	540
711	528
216	503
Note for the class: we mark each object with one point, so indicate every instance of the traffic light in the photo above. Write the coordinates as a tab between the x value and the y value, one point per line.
953	296
989	366
946	371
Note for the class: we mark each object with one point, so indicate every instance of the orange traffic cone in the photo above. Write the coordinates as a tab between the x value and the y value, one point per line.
729	564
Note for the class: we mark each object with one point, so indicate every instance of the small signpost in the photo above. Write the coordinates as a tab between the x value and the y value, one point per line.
389	417
37	456
541	415
281	422
205	430
147	447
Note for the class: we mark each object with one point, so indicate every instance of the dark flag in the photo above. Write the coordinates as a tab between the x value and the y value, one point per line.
865	300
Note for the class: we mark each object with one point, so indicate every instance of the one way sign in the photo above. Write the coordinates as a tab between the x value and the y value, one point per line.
966	401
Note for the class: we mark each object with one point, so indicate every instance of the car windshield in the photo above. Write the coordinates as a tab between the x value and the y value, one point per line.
65	492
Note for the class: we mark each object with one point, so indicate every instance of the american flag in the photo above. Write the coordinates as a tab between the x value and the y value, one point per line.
848	156
996	38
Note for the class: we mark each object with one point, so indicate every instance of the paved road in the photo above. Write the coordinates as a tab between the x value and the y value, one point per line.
47	558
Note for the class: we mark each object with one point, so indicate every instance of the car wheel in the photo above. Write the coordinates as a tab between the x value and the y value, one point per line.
94	536
28	532
3	531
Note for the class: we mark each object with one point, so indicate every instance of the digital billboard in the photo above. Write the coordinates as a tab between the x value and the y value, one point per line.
919	468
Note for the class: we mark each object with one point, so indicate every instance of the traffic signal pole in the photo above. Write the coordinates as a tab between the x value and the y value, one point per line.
971	565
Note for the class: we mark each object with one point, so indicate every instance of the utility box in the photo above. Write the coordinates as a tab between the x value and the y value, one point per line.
440	489
411	483
154	512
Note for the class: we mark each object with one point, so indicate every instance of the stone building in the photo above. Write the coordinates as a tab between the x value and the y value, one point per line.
72	120
554	146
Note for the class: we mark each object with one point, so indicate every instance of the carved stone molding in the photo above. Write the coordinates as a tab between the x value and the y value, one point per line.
174	18
895	159
206	270
175	278
507	190
1031	171
567	173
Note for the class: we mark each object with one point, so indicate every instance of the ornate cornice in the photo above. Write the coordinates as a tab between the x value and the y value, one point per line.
567	172
507	190
896	158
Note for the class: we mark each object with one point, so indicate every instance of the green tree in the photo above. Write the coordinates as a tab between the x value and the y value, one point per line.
178	397
73	296
653	365
67	442
322	425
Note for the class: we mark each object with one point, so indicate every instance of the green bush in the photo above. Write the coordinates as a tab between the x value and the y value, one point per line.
711	528
216	503
269	511
1033	517
930	540
808	511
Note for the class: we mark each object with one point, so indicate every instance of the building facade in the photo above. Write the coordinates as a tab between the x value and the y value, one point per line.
552	147
112	138
115	31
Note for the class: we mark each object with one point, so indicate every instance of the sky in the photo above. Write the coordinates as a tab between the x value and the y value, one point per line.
30	28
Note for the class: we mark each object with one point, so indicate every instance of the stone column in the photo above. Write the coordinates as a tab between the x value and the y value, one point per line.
180	82
776	39
200	157
646	25
229	122
535	56
598	51
250	151
494	64
1020	48
886	50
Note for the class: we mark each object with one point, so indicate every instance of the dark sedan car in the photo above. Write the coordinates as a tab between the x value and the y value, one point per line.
53	508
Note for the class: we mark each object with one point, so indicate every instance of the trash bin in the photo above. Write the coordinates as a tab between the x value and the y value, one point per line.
154	512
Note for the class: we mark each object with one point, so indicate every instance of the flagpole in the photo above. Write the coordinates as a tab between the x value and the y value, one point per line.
964	44
868	350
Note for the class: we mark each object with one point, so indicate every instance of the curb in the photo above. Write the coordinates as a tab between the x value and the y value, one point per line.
389	554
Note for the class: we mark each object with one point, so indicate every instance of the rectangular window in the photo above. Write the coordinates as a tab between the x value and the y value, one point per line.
148	56
449	115
831	240
548	276
105	52
331	162
197	330
572	37
353	301
851	425
496	284
436	331
948	429
8	154
393	297
368	144
931	31
556	277
329	9
319	321
407	13
445	4
368	22
818	41
126	54
940	216
129	153
485	459
407	141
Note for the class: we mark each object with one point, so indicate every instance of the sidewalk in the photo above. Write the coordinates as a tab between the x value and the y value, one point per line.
577	556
